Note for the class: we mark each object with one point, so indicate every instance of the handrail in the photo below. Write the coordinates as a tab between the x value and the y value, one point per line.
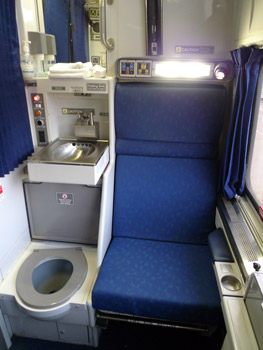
107	43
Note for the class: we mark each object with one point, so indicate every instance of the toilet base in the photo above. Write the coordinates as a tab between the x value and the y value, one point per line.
29	327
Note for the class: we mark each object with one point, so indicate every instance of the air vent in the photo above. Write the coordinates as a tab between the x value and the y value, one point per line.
242	241
245	243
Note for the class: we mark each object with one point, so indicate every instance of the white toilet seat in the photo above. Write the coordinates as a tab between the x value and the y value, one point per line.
74	260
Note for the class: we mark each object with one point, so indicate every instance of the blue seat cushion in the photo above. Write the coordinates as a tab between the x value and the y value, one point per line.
160	280
166	199
192	114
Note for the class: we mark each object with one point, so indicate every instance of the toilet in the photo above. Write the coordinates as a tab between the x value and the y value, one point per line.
49	277
47	292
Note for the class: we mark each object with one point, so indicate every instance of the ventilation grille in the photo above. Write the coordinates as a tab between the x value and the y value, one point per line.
242	236
231	211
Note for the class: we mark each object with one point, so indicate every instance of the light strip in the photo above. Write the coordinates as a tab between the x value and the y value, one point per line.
175	69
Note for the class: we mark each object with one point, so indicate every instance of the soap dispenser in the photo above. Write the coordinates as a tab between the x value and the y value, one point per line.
26	62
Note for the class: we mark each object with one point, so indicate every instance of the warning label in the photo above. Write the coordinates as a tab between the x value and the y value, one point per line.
195	49
76	111
65	198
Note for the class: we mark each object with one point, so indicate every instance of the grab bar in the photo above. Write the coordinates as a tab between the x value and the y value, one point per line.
108	43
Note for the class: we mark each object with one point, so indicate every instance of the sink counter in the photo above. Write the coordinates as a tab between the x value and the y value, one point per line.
69	160
71	151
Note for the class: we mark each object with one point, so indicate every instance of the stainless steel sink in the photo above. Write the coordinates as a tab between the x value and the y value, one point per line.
71	151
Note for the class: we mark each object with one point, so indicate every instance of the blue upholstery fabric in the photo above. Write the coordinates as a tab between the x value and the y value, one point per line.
160	280
168	199
158	264
190	115
166	149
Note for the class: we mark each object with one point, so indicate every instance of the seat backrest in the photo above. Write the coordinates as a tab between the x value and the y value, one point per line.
167	138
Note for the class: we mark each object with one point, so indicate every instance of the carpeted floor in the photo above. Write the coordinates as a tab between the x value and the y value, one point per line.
119	336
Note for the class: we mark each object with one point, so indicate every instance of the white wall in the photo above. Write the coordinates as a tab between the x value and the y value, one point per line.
29	17
249	24
198	23
14	231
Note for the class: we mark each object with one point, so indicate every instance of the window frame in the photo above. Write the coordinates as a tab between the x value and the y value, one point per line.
252	137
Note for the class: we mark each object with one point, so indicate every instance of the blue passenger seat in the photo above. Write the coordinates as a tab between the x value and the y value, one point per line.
158	264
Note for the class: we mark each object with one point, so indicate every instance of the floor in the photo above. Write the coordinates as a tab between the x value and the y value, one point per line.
119	336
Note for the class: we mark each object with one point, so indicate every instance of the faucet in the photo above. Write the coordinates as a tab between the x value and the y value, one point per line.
86	118
91	119
86	126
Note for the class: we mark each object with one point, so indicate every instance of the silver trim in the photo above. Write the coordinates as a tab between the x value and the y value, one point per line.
161	27
106	315
243	242
251	218
146	28
71	151
107	43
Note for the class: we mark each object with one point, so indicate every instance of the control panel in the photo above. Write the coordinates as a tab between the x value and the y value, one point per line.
39	119
156	69
135	68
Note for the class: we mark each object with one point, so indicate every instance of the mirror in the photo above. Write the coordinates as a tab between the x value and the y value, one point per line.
69	21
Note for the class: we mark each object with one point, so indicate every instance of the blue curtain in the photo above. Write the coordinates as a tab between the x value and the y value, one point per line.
58	14
15	136
247	62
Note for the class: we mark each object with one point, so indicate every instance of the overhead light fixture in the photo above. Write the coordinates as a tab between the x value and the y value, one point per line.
182	69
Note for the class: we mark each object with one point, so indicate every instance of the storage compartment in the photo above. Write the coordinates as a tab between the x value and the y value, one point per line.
229	280
231	283
63	212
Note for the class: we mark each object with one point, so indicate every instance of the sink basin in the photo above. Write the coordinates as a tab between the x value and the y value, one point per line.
71	151
69	161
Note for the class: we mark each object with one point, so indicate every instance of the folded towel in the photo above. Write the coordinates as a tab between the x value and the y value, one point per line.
98	71
61	67
75	75
76	70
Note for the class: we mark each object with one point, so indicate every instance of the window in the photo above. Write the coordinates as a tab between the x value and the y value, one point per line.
254	174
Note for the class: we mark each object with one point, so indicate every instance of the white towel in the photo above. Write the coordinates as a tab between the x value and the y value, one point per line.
62	67
98	71
76	70
75	75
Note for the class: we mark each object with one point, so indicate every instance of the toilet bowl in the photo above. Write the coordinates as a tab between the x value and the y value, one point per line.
46	293
48	278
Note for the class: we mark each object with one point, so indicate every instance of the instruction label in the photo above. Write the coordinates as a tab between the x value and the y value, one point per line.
195	49
65	198
99	87
58	88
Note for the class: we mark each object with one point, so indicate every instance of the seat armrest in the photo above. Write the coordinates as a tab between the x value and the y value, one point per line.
219	247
